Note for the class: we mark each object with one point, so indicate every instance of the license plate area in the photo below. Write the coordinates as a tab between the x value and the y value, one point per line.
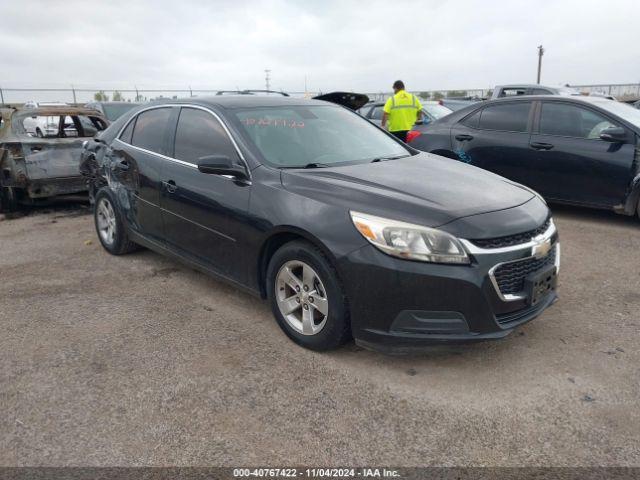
540	284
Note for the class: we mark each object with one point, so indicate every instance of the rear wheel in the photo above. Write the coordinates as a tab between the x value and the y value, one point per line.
109	225
8	200
307	298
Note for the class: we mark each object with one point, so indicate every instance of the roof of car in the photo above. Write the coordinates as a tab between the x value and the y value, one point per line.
57	110
380	102
242	101
94	102
551	98
526	85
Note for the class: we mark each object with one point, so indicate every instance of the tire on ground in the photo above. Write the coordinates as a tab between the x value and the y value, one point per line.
337	329
8	200
121	243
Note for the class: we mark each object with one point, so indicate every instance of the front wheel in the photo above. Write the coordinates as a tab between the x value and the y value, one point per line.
109	225
307	298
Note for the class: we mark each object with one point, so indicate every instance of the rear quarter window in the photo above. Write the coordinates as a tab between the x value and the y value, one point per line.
127	133
472	120
510	117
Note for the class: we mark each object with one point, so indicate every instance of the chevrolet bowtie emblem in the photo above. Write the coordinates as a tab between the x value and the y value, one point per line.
541	247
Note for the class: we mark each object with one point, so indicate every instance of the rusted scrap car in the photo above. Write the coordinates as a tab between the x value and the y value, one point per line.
40	152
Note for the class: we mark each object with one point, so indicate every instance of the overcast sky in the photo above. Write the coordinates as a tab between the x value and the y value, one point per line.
359	46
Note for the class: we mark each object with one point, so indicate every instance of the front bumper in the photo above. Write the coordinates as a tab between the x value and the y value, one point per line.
399	305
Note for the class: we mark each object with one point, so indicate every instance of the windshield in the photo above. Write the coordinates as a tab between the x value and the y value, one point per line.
435	110
299	136
113	112
623	110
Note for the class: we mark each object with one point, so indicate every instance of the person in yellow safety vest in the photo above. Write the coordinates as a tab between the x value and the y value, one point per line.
402	110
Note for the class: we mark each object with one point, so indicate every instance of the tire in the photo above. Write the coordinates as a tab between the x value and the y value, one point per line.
109	225
319	314
8	200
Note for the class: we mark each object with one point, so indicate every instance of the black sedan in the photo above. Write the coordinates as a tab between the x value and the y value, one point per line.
576	150
346	230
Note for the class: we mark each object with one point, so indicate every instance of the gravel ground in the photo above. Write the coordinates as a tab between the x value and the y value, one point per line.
138	360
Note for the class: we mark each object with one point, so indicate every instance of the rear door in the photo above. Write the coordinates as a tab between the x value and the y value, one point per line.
203	214
496	138
138	158
572	163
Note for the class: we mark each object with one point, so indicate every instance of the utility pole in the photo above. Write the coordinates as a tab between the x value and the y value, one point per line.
267	78
540	53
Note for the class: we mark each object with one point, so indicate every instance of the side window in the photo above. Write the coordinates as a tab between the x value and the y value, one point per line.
512	92
91	125
540	91
200	134
149	131
568	120
376	114
70	127
127	133
511	117
472	120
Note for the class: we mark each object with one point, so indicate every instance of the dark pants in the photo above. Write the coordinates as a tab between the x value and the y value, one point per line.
401	134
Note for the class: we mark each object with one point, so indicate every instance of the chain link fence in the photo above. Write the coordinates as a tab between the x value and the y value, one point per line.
17	96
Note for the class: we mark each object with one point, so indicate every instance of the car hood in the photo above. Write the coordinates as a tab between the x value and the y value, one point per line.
425	189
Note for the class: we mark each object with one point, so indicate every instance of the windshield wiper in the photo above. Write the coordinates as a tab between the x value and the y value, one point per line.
315	165
380	159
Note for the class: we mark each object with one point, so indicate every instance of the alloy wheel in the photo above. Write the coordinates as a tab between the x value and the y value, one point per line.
106	221
301	297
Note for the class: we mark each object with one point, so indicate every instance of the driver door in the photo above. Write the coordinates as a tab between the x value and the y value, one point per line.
203	214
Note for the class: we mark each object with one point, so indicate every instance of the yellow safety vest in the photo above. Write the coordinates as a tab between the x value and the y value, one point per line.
402	109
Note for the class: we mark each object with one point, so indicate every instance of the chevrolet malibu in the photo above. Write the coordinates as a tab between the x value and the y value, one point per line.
346	231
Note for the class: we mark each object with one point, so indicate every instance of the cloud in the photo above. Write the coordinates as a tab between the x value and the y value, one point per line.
334	44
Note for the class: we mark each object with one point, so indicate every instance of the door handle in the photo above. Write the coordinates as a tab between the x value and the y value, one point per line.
463	136
541	146
170	186
36	149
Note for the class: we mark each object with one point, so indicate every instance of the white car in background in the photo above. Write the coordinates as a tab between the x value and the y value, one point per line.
40	126
431	110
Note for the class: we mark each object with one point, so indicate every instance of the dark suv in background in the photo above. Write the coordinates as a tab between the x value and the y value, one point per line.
576	150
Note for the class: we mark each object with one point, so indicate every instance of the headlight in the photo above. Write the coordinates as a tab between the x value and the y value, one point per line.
409	241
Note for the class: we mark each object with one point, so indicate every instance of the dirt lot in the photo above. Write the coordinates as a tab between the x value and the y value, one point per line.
138	360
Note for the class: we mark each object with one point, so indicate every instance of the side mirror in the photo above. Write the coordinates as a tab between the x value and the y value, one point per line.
419	122
220	165
613	134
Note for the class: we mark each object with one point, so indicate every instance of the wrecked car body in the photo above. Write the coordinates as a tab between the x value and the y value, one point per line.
40	152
